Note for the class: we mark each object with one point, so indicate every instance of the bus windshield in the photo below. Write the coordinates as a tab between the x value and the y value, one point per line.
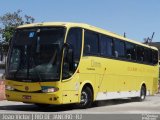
34	54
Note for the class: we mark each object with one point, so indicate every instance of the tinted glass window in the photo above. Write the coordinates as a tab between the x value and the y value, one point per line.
130	51
72	55
106	46
140	54
35	54
90	43
75	40
155	56
147	55
119	49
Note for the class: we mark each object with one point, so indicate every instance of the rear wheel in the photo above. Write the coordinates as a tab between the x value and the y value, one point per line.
86	99
142	94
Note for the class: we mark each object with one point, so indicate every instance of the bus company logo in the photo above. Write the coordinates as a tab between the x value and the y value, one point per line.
26	88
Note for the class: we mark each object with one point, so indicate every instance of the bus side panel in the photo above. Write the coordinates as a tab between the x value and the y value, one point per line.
120	78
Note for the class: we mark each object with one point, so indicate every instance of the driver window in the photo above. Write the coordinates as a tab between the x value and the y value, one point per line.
74	39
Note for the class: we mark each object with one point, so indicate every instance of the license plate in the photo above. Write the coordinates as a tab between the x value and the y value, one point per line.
26	97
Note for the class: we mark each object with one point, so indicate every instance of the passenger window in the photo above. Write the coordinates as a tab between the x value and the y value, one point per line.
130	51
147	55
155	57
140	54
119	50
90	43
106	46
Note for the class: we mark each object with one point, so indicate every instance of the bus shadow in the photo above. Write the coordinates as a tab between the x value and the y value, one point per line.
34	108
113	102
61	108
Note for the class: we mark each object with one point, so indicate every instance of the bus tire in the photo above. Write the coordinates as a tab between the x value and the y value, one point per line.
86	99
142	94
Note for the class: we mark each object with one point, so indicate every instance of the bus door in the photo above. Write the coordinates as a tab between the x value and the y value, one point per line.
71	59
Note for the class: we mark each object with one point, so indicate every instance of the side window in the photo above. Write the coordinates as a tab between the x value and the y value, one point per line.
154	57
119	49
140	54
130	51
106	46
147	55
90	43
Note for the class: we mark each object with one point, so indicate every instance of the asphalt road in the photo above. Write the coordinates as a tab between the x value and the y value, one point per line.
120	106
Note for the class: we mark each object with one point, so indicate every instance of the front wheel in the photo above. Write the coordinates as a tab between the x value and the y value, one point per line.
86	99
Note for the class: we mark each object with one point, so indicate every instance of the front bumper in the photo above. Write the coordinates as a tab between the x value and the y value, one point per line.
43	98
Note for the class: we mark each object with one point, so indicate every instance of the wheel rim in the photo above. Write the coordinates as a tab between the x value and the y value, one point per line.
84	98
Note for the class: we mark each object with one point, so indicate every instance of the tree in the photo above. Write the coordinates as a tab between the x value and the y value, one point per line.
9	22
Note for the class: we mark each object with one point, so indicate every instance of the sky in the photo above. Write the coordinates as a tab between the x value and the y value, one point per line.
137	18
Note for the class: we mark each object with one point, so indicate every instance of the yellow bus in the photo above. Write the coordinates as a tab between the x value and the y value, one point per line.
63	63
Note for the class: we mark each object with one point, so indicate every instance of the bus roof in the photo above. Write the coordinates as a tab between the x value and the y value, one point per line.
85	26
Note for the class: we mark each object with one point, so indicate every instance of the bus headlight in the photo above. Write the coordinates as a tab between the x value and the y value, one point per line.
8	87
49	89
